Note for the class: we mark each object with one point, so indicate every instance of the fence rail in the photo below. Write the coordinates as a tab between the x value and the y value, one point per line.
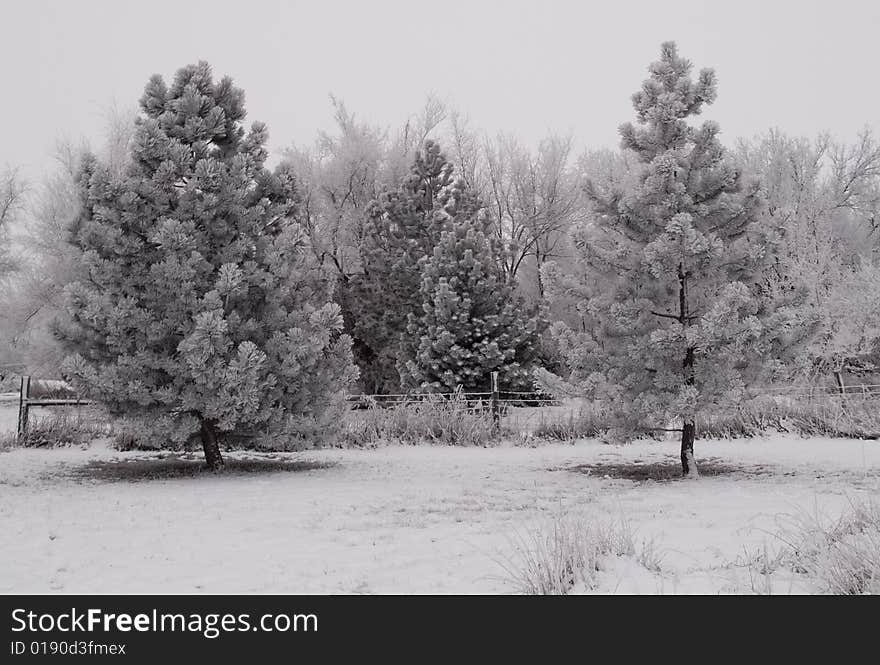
26	401
491	399
522	408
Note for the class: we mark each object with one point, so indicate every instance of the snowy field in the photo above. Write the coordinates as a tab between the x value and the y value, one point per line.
406	519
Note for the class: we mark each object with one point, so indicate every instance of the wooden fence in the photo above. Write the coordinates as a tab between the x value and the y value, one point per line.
497	403
492	401
57	394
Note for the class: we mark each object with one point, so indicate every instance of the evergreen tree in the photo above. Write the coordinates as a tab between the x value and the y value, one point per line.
472	321
203	312
678	320
403	226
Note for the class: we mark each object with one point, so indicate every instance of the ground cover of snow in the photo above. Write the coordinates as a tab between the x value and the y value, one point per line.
418	519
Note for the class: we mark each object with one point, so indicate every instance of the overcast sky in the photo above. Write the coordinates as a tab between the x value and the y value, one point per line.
527	67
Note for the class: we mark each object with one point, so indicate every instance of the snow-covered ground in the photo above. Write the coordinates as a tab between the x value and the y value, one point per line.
403	519
8	412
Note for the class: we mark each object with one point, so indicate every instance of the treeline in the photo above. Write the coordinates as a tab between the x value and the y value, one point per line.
171	272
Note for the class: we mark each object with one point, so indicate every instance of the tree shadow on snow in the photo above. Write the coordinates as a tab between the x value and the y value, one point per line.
171	467
638	471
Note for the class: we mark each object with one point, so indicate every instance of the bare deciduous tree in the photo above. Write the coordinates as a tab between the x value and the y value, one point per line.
12	194
412	135
822	196
337	178
533	197
49	261
343	171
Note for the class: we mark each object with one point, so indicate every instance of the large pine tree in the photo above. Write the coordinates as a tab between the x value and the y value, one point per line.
674	259
402	227
203	312
472	321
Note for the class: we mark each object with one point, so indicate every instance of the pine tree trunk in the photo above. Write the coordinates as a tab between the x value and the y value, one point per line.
688	464
688	428
211	446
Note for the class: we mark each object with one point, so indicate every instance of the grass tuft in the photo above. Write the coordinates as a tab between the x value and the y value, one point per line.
841	556
569	552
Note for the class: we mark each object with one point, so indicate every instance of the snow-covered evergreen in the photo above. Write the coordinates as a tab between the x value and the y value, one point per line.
402	227
203	312
472	321
675	315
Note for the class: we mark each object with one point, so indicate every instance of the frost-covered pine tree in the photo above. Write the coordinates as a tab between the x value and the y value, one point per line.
677	318
203	313
402	227
472	321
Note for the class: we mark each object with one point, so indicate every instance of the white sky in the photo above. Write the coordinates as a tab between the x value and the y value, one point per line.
524	66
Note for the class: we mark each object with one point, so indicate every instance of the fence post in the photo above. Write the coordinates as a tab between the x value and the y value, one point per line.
493	400
841	388
23	407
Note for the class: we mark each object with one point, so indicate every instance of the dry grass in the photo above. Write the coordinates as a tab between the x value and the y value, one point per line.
568	552
59	428
832	416
840	556
438	420
762	564
589	421
854	418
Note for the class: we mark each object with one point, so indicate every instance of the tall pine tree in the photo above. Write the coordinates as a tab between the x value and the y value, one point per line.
402	227
679	320
203	312
472	322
